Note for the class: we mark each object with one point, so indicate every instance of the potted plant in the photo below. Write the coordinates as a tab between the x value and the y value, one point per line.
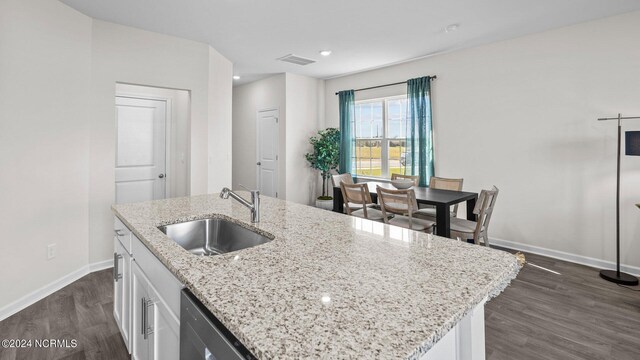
324	158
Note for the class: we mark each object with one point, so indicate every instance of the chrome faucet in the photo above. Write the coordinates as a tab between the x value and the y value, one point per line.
254	205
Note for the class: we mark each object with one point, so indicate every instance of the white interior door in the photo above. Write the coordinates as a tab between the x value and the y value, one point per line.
140	149
267	164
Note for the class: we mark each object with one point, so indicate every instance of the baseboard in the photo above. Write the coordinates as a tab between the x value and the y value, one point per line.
52	287
100	265
561	255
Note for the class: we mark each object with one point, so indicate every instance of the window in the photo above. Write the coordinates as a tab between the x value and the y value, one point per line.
380	136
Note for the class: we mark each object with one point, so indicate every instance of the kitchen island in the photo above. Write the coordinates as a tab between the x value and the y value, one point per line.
330	285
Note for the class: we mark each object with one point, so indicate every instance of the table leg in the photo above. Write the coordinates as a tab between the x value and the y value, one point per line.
471	204
443	220
338	202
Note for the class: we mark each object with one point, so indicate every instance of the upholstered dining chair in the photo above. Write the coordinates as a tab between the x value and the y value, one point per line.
440	183
477	230
403	204
359	195
415	179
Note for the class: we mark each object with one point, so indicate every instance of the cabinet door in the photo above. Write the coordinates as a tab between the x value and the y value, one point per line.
118	284
122	290
155	329
139	312
165	344
125	267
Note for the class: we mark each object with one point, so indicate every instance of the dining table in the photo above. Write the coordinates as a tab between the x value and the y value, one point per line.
442	200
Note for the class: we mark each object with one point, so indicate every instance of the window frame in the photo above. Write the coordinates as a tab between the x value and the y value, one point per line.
384	140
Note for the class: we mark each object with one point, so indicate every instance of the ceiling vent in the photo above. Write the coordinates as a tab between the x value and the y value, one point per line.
296	60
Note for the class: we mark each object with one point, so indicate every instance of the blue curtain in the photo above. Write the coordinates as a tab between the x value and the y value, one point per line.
347	134
419	150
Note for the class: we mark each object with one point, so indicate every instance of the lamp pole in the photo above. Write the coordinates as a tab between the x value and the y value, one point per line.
617	276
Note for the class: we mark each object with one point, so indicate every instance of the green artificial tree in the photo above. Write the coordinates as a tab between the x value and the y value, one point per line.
325	156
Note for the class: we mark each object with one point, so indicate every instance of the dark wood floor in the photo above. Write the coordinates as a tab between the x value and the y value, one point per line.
574	315
82	311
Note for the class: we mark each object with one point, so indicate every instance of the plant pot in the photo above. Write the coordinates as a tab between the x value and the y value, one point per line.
324	204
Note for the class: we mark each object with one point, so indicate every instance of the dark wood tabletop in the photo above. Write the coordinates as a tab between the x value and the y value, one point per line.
441	199
425	195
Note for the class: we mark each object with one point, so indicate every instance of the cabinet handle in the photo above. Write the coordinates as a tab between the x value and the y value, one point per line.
119	232
116	271
150	303
146	329
143	311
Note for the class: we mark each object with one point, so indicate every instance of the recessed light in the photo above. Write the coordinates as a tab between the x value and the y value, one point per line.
236	77
325	52
451	28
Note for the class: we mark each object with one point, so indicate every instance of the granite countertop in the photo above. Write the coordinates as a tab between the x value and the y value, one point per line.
328	285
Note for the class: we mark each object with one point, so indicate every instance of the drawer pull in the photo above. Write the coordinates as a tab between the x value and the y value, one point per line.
146	329
116	268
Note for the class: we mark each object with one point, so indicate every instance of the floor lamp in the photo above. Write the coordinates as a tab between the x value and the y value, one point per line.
632	147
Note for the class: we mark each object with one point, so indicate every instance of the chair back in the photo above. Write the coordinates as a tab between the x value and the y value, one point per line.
402	202
341	178
446	184
415	179
356	194
484	209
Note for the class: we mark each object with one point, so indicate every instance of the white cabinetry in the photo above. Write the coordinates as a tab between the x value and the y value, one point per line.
152	313
464	342
143	307
156	330
122	281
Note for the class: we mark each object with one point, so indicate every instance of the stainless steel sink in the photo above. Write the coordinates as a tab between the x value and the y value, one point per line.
212	236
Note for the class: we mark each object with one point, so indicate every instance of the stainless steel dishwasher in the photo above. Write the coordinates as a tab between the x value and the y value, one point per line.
202	336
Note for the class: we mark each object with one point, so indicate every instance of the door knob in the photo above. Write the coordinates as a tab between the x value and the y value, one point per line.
161	176
258	163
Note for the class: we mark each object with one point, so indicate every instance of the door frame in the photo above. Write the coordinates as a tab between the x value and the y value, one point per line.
277	170
167	134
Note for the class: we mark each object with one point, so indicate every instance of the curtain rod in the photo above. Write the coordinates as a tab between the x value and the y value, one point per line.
385	85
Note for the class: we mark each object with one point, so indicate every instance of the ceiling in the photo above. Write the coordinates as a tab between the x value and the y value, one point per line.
363	34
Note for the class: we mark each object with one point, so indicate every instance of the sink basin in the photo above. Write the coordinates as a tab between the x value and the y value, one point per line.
212	236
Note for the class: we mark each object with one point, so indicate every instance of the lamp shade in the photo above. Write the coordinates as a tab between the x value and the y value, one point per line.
632	143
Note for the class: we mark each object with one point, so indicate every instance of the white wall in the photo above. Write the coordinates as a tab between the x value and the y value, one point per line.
126	55
305	110
220	127
58	74
45	63
299	100
248	99
179	148
521	114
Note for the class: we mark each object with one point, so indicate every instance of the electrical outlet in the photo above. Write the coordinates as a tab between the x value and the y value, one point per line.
51	251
